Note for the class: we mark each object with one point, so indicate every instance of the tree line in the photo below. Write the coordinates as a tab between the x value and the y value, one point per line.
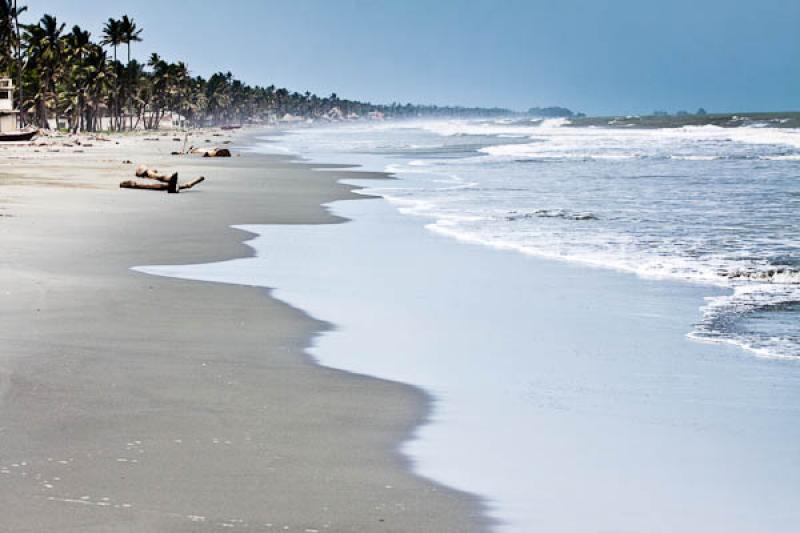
63	75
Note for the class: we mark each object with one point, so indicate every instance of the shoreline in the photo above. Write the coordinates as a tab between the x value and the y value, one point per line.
103	368
572	386
611	396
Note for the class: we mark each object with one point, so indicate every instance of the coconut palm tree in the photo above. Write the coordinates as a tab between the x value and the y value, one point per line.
76	46
161	85
44	50
130	34
113	37
100	83
8	42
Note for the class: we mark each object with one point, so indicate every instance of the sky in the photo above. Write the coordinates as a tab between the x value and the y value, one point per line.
596	56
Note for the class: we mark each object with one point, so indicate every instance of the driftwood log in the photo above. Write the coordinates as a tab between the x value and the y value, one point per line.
146	185
190	184
212	152
167	183
160	186
218	152
161	182
143	172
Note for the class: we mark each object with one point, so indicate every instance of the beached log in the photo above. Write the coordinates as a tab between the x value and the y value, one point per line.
211	152
146	185
143	172
171	186
190	184
160	177
217	152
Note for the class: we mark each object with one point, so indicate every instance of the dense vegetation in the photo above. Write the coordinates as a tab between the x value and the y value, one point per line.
65	75
553	112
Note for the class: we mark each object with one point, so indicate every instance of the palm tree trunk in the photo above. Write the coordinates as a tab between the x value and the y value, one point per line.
42	112
114	121
128	77
19	69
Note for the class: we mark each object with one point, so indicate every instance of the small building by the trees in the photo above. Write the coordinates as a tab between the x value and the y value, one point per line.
8	114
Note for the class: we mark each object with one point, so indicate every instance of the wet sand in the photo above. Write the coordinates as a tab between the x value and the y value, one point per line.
137	403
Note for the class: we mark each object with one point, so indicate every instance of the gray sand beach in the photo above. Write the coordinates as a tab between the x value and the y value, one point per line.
136	403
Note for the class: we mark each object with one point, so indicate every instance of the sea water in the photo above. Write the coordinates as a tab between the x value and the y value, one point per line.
710	205
553	341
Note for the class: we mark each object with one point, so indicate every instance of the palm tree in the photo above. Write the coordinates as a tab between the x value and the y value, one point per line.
99	78
160	89
182	97
7	33
112	36
77	48
44	49
139	90
130	34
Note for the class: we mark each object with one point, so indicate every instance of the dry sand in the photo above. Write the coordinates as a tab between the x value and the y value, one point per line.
137	403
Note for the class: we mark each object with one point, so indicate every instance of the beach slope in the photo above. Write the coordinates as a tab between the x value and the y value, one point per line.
136	403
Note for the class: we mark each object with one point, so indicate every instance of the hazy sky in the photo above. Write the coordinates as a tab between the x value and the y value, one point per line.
599	56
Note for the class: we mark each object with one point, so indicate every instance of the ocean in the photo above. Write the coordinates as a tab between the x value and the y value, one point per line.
707	205
604	320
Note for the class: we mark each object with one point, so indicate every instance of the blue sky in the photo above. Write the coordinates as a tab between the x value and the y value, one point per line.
604	56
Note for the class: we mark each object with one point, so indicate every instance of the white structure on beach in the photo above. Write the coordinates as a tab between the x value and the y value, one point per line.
8	115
